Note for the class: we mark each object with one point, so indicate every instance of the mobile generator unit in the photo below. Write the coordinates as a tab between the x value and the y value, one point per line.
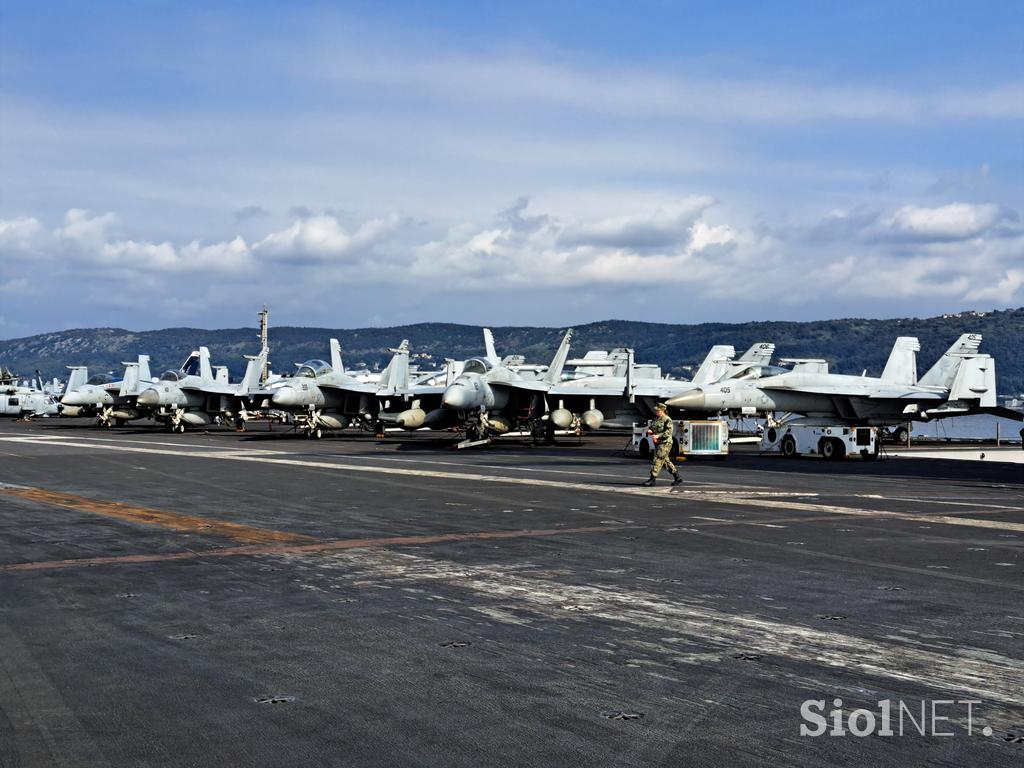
830	441
692	438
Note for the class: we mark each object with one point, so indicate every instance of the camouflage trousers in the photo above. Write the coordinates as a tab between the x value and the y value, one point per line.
662	458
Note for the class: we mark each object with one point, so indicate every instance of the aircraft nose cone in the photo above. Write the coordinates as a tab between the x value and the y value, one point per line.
693	400
149	398
459	397
286	397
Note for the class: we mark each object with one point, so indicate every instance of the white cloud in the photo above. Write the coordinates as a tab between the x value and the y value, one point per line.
83	229
956	221
18	233
955	253
322	238
1006	291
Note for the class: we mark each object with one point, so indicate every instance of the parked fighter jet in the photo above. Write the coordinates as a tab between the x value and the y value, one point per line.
109	399
323	396
489	398
197	396
629	392
961	382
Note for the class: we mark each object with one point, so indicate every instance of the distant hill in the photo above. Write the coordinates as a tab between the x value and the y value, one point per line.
850	346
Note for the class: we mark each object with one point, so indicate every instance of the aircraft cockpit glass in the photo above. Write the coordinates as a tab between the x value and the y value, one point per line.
191	366
170	376
100	378
313	368
476	365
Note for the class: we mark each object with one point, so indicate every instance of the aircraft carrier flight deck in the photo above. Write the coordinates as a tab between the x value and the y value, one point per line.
261	599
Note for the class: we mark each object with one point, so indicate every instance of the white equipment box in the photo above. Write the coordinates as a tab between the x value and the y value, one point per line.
691	438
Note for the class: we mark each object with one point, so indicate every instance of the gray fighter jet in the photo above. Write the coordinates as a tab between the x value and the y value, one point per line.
490	398
199	394
628	392
102	395
961	382
322	396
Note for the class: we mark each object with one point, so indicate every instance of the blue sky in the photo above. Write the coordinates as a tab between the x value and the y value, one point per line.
167	163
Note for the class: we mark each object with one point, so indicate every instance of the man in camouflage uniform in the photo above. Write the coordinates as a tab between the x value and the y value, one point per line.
661	430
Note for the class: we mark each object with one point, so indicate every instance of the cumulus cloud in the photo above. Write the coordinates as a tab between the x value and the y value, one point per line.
84	230
322	238
18	233
659	229
956	253
956	221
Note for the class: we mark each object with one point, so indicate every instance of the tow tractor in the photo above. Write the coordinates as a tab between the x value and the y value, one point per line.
830	441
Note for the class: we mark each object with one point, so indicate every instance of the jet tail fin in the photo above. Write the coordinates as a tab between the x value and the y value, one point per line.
901	368
144	374
943	373
491	352
205	371
78	376
251	380
554	372
336	363
130	380
714	364
975	379
759	354
395	378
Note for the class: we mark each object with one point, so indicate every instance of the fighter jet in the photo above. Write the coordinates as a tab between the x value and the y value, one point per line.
323	396
194	395
961	382
628	392
489	398
109	399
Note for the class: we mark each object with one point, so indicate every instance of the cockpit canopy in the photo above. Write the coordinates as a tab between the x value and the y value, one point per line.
476	365
191	366
757	371
311	369
100	378
170	376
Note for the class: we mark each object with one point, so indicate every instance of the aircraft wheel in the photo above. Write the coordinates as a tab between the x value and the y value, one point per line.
180	428
788	447
645	449
317	433
832	449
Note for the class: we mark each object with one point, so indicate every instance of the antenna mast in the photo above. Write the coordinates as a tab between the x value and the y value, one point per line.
264	327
